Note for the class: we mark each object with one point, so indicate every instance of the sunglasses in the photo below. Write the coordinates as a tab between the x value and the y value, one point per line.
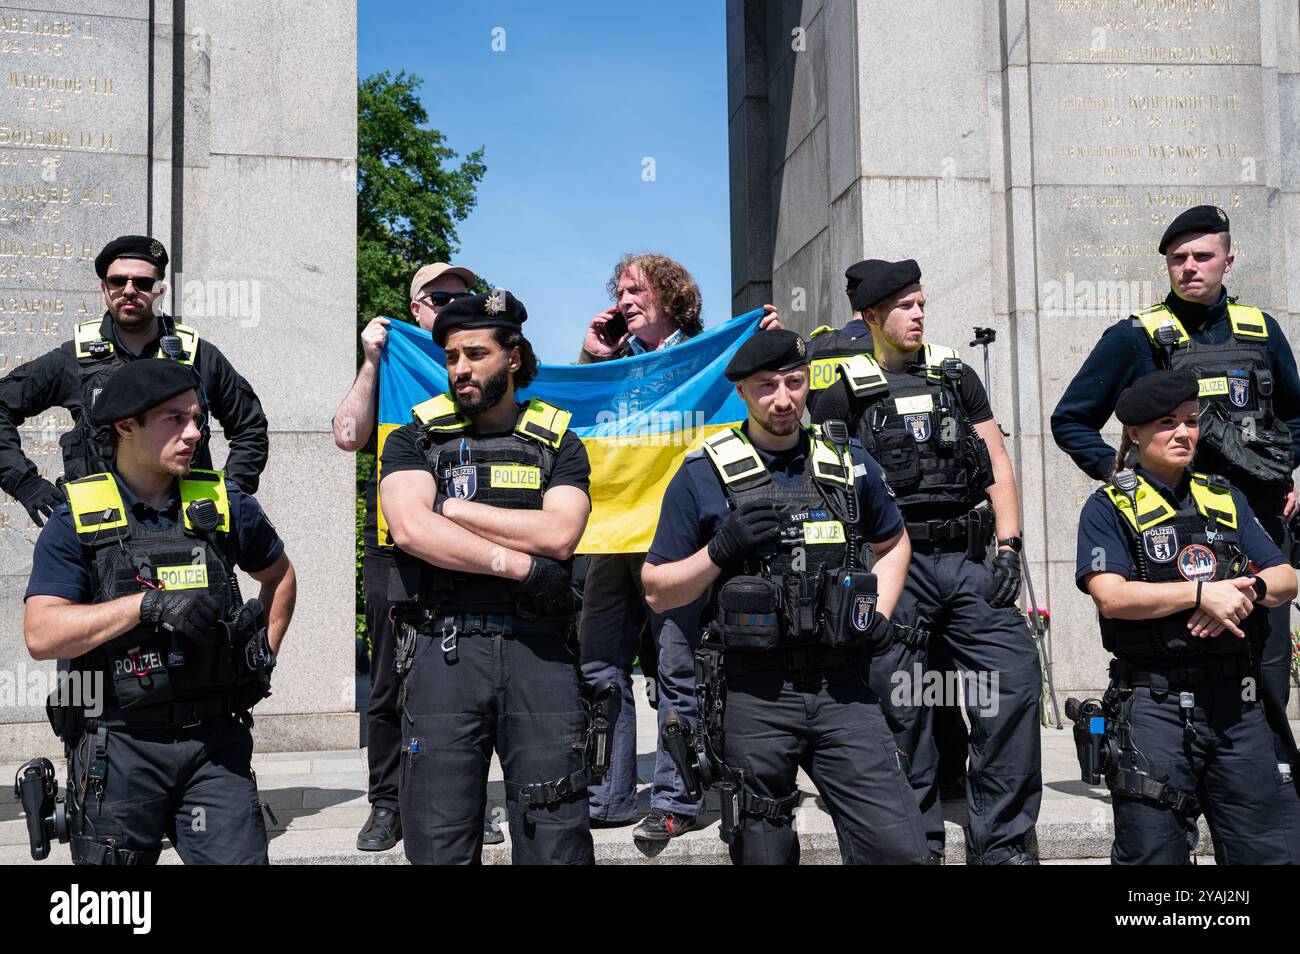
441	298
141	282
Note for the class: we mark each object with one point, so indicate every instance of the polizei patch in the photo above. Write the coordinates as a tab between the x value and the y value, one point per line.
1197	563
919	425
1239	391
464	481
864	611
1160	543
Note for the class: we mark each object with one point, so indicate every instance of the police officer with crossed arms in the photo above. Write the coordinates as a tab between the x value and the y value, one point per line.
791	537
1183	575
486	499
133	584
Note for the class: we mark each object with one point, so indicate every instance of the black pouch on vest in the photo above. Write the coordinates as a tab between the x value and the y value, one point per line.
749	613
802	604
897	454
140	676
976	455
849	606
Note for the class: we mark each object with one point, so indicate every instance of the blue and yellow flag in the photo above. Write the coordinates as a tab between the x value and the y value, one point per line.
638	417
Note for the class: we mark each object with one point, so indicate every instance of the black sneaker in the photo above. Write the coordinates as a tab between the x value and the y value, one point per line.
492	833
382	831
660	825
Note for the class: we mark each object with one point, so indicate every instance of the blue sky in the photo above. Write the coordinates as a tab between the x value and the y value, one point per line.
582	93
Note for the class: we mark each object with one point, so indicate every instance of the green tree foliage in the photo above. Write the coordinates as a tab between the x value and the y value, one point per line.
409	198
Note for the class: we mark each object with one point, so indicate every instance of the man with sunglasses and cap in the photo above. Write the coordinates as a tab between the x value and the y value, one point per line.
131	270
1249	425
433	287
133	587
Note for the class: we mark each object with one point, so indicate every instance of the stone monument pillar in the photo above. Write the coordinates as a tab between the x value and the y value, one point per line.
228	132
1028	155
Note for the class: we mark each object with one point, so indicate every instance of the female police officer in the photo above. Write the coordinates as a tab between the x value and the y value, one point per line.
1177	565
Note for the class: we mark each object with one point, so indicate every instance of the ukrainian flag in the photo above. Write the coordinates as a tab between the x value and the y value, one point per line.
638	417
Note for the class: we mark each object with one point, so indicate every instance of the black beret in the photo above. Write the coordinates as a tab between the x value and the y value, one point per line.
139	386
497	309
143	247
776	349
853	276
1155	395
877	280
1199	218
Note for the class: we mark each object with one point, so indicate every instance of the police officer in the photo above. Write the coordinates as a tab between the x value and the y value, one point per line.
432	287
1181	572
133	584
922	413
772	521
486	500
829	347
1250	391
131	270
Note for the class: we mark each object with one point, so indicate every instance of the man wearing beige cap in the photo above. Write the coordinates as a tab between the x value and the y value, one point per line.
432	287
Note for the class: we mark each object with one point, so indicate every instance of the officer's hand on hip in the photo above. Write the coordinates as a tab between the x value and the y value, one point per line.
747	528
1004	588
39	497
194	614
374	337
880	634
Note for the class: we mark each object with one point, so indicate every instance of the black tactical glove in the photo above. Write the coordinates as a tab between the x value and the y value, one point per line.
194	615
880	635
746	529
1004	588
546	591
40	497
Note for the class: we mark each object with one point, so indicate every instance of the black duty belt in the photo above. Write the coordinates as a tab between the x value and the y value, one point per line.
795	660
169	714
483	624
939	532
1180	676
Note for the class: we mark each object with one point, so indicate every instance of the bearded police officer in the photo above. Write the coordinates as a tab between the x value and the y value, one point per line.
486	500
1181	572
774	522
133	584
922	413
131	270
1250	395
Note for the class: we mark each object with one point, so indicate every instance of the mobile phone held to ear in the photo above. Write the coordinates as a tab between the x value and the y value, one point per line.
615	328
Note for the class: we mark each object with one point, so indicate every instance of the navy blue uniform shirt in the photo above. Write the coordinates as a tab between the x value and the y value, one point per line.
61	566
695	505
1104	544
1125	353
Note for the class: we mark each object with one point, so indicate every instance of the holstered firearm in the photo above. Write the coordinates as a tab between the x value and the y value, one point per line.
1092	740
47	815
606	704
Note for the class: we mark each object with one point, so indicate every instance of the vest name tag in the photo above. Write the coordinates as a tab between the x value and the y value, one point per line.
823	531
516	477
187	576
1213	387
821	373
916	404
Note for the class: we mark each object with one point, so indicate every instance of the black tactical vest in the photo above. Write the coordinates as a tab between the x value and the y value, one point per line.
1240	436
148	666
808	590
507	470
97	361
1200	541
918	430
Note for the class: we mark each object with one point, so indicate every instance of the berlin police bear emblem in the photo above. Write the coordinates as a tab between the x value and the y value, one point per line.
1161	543
464	481
919	425
864	610
1239	391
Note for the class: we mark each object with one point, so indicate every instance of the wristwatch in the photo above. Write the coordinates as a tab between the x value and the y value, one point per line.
1015	543
1261	589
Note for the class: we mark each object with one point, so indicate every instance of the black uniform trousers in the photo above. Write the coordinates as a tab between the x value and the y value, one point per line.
383	721
195	785
830	723
518	693
1275	661
993	651
1228	765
